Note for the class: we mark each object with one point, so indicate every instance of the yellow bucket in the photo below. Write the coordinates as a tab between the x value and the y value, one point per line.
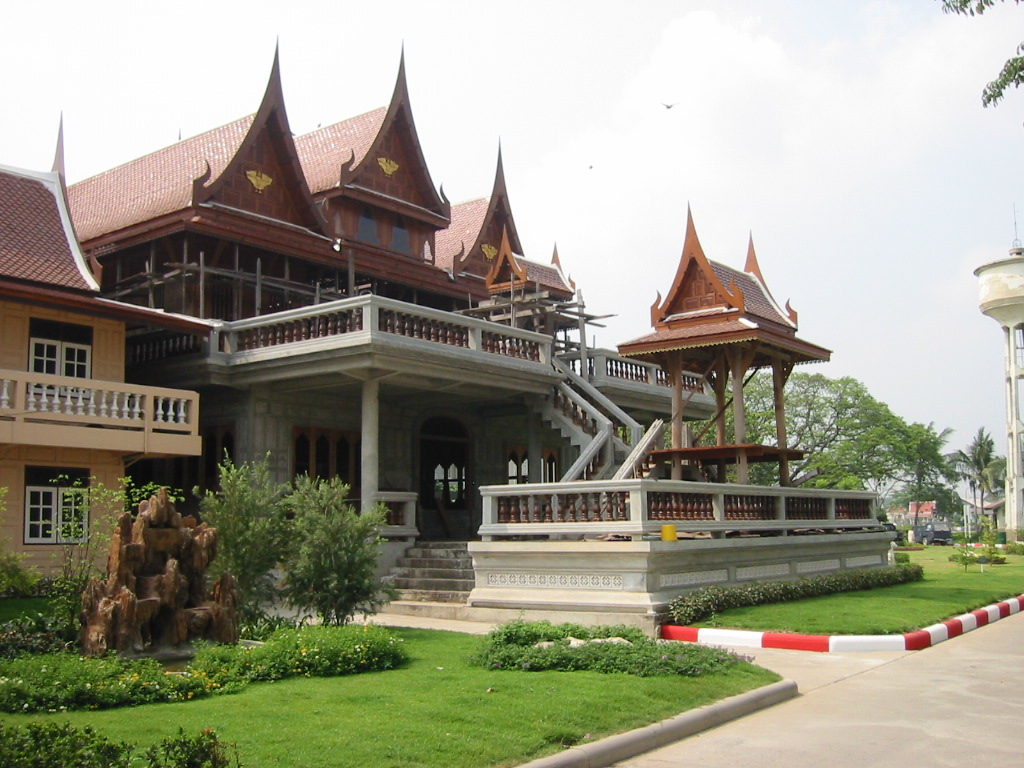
668	533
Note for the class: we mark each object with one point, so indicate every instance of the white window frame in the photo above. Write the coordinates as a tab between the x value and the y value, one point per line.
64	359
67	511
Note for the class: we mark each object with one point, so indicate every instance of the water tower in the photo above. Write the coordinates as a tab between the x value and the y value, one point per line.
1002	299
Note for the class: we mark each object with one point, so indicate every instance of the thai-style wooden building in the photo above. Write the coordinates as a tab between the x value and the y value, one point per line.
347	321
357	324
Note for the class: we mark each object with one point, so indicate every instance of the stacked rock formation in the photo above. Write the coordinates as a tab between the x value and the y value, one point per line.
155	597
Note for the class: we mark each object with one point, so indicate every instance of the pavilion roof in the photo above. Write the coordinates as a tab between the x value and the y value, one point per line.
711	304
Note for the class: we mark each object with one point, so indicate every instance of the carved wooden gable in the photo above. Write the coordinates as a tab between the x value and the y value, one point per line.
394	165
482	256
696	291
262	179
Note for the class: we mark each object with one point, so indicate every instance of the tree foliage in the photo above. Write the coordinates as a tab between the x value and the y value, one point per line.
851	440
252	529
332	568
1012	73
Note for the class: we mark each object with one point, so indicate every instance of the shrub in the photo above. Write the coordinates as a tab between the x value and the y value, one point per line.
332	568
901	558
65	681
701	604
36	745
310	651
16	579
252	531
34	633
541	646
264	625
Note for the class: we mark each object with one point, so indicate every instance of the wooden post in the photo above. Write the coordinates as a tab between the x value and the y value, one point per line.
676	368
779	376
738	365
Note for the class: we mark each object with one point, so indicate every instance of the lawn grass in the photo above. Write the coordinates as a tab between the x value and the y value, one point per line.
438	711
945	592
12	608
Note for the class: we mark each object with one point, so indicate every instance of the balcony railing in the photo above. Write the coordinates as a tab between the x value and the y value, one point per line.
603	364
39	409
639	507
376	314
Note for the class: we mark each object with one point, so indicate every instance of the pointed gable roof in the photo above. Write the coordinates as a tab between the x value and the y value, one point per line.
37	241
202	169
710	304
325	152
470	242
382	161
511	271
264	176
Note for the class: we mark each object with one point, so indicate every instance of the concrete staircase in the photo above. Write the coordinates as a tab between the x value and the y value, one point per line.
434	572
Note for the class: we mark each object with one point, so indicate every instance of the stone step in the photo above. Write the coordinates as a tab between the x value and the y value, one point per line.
460	545
432	573
436	552
410	599
457	563
442	584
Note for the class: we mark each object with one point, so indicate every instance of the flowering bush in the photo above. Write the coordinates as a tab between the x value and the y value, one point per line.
701	604
540	646
310	651
64	681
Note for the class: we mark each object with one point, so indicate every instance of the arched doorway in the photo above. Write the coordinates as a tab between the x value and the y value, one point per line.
445	503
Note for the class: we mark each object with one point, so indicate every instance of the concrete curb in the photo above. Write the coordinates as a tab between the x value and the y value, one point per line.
623	746
910	641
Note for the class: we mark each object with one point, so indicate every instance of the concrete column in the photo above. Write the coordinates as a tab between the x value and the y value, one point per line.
1014	433
370	444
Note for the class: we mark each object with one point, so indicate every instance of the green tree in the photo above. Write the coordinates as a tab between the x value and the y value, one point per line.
927	467
1012	73
850	439
331	570
980	468
252	531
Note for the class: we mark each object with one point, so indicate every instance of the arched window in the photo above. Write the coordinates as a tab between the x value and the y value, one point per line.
400	237
367	231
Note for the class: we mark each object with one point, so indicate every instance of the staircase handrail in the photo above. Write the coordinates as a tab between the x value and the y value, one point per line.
640	450
604	433
610	407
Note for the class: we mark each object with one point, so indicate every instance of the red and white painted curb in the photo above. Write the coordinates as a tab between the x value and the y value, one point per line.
910	641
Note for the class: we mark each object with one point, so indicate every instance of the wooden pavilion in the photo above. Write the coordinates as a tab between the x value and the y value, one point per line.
726	323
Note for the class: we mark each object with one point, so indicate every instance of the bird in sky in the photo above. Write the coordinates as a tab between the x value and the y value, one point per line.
668	106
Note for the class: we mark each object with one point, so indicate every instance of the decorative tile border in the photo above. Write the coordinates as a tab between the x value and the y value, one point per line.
693	578
555	580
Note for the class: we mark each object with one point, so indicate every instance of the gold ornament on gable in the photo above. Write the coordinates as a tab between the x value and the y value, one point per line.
388	165
259	180
489	251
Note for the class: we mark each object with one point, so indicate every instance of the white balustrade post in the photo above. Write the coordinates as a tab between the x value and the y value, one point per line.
475	337
638	506
830	506
371	316
718	506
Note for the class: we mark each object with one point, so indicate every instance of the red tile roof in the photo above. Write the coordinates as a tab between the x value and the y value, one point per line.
154	185
323	151
467	219
37	241
547	275
758	301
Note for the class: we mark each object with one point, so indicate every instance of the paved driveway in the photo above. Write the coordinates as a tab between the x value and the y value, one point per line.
959	704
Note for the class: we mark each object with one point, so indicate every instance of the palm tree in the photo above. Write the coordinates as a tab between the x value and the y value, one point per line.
975	467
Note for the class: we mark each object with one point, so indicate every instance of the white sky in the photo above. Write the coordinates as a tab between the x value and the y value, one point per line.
848	137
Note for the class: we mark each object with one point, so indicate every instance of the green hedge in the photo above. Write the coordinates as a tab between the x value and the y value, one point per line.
42	745
702	604
541	646
64	681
